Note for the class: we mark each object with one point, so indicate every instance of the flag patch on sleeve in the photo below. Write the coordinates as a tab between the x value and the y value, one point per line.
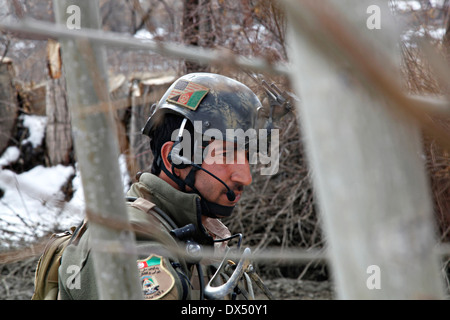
156	280
187	94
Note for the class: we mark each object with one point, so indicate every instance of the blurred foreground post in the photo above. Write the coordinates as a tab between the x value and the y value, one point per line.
97	153
367	162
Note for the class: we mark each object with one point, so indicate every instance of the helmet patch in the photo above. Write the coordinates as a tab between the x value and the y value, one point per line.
187	94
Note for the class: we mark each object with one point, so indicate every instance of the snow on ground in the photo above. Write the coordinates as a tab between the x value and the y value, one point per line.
36	125
32	203
10	155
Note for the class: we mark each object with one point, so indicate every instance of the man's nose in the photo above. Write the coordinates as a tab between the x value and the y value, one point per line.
241	173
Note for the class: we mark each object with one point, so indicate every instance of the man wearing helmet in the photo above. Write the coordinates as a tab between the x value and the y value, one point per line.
197	176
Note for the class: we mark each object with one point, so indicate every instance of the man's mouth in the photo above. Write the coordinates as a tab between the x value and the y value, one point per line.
238	196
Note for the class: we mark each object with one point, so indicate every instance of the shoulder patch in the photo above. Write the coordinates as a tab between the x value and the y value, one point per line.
187	94
156	280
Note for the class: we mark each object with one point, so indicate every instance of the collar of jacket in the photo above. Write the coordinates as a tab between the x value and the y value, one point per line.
183	208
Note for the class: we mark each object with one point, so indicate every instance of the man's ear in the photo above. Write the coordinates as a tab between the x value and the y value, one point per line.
165	151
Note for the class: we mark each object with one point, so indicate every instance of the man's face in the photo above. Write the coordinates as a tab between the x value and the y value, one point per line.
228	164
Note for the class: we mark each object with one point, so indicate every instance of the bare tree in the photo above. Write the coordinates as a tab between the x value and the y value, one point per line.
197	29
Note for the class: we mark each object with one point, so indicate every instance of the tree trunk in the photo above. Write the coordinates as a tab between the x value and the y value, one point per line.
446	38
196	30
95	138
8	102
139	146
368	174
58	135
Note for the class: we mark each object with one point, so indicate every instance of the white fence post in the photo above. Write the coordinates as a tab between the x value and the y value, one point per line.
367	162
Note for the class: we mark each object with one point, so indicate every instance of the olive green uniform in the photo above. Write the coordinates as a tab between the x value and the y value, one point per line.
163	274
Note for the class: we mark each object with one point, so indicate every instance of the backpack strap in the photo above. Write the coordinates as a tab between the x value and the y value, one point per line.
157	225
46	275
151	208
78	232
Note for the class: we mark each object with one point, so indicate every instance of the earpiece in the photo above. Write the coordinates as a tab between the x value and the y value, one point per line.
176	164
177	147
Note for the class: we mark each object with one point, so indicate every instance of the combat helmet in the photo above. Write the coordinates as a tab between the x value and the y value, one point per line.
217	101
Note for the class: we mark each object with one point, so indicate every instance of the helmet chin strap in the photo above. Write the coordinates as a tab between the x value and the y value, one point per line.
210	209
214	210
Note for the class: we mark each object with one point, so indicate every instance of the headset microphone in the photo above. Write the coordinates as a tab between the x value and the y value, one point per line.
182	160
230	195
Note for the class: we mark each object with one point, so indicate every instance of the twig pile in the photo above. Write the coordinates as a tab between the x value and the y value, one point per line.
17	279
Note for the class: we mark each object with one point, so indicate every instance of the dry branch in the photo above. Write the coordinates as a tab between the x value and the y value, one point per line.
214	57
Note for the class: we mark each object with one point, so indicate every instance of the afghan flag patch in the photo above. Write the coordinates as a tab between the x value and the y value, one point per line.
156	280
187	94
